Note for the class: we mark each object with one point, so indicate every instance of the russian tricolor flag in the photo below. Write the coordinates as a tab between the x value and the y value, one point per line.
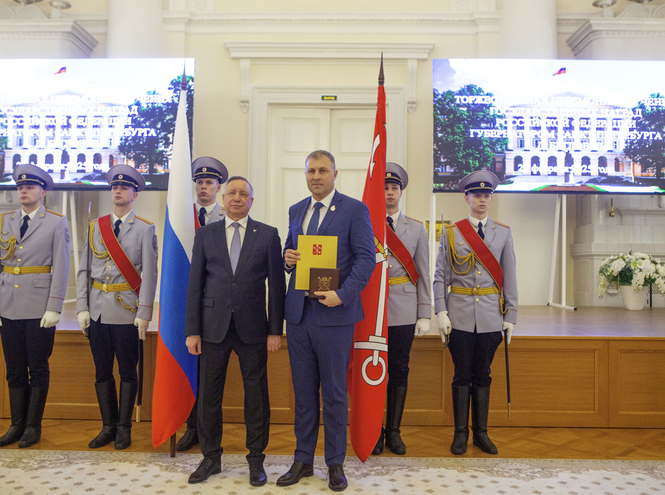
176	369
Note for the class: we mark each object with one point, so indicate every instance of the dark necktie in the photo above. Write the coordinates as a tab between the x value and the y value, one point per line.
24	225
235	247
390	223
116	230
313	226
202	216
480	230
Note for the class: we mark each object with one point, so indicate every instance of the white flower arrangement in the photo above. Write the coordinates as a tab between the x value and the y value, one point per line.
635	269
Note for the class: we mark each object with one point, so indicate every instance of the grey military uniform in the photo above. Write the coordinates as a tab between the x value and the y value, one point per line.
45	243
408	302
216	215
481	312
138	240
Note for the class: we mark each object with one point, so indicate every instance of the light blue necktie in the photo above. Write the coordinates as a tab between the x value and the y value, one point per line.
313	226
235	247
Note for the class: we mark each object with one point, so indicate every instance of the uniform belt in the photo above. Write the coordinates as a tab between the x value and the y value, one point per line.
111	287
399	280
25	270
474	291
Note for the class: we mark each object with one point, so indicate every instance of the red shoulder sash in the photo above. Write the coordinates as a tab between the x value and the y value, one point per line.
118	255
482	252
398	249
197	224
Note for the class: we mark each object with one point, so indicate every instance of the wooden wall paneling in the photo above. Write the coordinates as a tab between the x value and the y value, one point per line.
636	375
555	382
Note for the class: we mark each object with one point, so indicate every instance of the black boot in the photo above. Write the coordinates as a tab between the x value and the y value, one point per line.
123	437
396	399
18	404
191	436
107	398
33	418
461	396
480	404
378	448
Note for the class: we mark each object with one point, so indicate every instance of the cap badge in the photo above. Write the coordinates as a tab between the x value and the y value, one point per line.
204	169
482	184
23	176
120	176
389	174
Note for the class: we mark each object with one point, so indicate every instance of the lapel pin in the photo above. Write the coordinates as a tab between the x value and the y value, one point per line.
332	208
254	230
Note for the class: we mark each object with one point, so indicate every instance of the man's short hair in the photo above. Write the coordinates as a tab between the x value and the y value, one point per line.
319	154
238	177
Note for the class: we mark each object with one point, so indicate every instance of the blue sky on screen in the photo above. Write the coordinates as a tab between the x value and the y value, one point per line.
118	81
621	83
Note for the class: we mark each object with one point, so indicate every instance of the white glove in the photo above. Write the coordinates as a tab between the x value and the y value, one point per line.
50	319
84	321
142	325
508	329
445	327
0	322
422	327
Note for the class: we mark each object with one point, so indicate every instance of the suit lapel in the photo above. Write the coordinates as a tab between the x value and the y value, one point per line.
35	223
247	244
400	229
335	206
126	225
490	233
219	231
14	225
301	211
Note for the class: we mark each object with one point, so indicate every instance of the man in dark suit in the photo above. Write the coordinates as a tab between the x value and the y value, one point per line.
231	261
320	331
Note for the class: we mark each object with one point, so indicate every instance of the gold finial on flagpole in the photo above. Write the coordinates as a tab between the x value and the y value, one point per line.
381	78
183	83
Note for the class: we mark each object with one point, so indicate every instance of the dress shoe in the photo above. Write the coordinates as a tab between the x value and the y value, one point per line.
188	440
257	475
31	436
205	469
298	470
336	479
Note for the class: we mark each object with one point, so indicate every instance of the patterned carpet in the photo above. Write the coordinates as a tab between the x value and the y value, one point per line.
38	472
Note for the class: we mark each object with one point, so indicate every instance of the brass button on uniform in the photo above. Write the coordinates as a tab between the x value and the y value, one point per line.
478	286
19	260
16	287
20	247
477	299
479	273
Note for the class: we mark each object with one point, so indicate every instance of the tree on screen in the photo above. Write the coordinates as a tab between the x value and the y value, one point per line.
454	146
649	149
150	149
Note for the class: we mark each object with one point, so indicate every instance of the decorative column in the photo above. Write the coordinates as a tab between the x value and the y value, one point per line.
528	29
135	29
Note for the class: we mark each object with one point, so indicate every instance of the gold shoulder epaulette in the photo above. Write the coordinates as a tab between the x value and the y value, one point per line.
55	213
413	219
8	213
143	219
502	224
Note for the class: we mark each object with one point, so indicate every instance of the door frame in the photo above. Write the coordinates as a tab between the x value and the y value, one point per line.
264	97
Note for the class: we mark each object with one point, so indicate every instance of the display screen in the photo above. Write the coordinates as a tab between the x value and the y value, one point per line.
77	118
551	126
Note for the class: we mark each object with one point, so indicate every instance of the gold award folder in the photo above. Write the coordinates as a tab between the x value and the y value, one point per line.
316	251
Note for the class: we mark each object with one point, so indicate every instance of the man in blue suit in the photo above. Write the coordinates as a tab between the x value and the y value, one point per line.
226	297
320	331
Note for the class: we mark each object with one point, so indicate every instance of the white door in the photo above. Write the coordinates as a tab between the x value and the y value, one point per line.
294	132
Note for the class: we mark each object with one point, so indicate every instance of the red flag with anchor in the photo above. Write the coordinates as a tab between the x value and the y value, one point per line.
367	377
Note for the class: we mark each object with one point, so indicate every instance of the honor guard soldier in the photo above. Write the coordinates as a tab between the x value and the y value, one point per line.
116	286
208	175
409	302
475	290
34	254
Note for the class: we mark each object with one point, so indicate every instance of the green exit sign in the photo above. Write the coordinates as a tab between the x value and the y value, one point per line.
329	97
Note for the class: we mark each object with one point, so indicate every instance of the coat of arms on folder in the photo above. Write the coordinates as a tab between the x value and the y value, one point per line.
317	267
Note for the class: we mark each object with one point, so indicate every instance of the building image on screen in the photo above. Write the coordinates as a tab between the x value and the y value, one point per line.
76	119
550	126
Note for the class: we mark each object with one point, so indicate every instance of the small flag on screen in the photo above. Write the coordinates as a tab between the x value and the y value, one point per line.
61	71
562	70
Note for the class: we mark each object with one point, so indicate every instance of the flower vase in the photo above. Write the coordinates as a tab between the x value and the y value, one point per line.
632	300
